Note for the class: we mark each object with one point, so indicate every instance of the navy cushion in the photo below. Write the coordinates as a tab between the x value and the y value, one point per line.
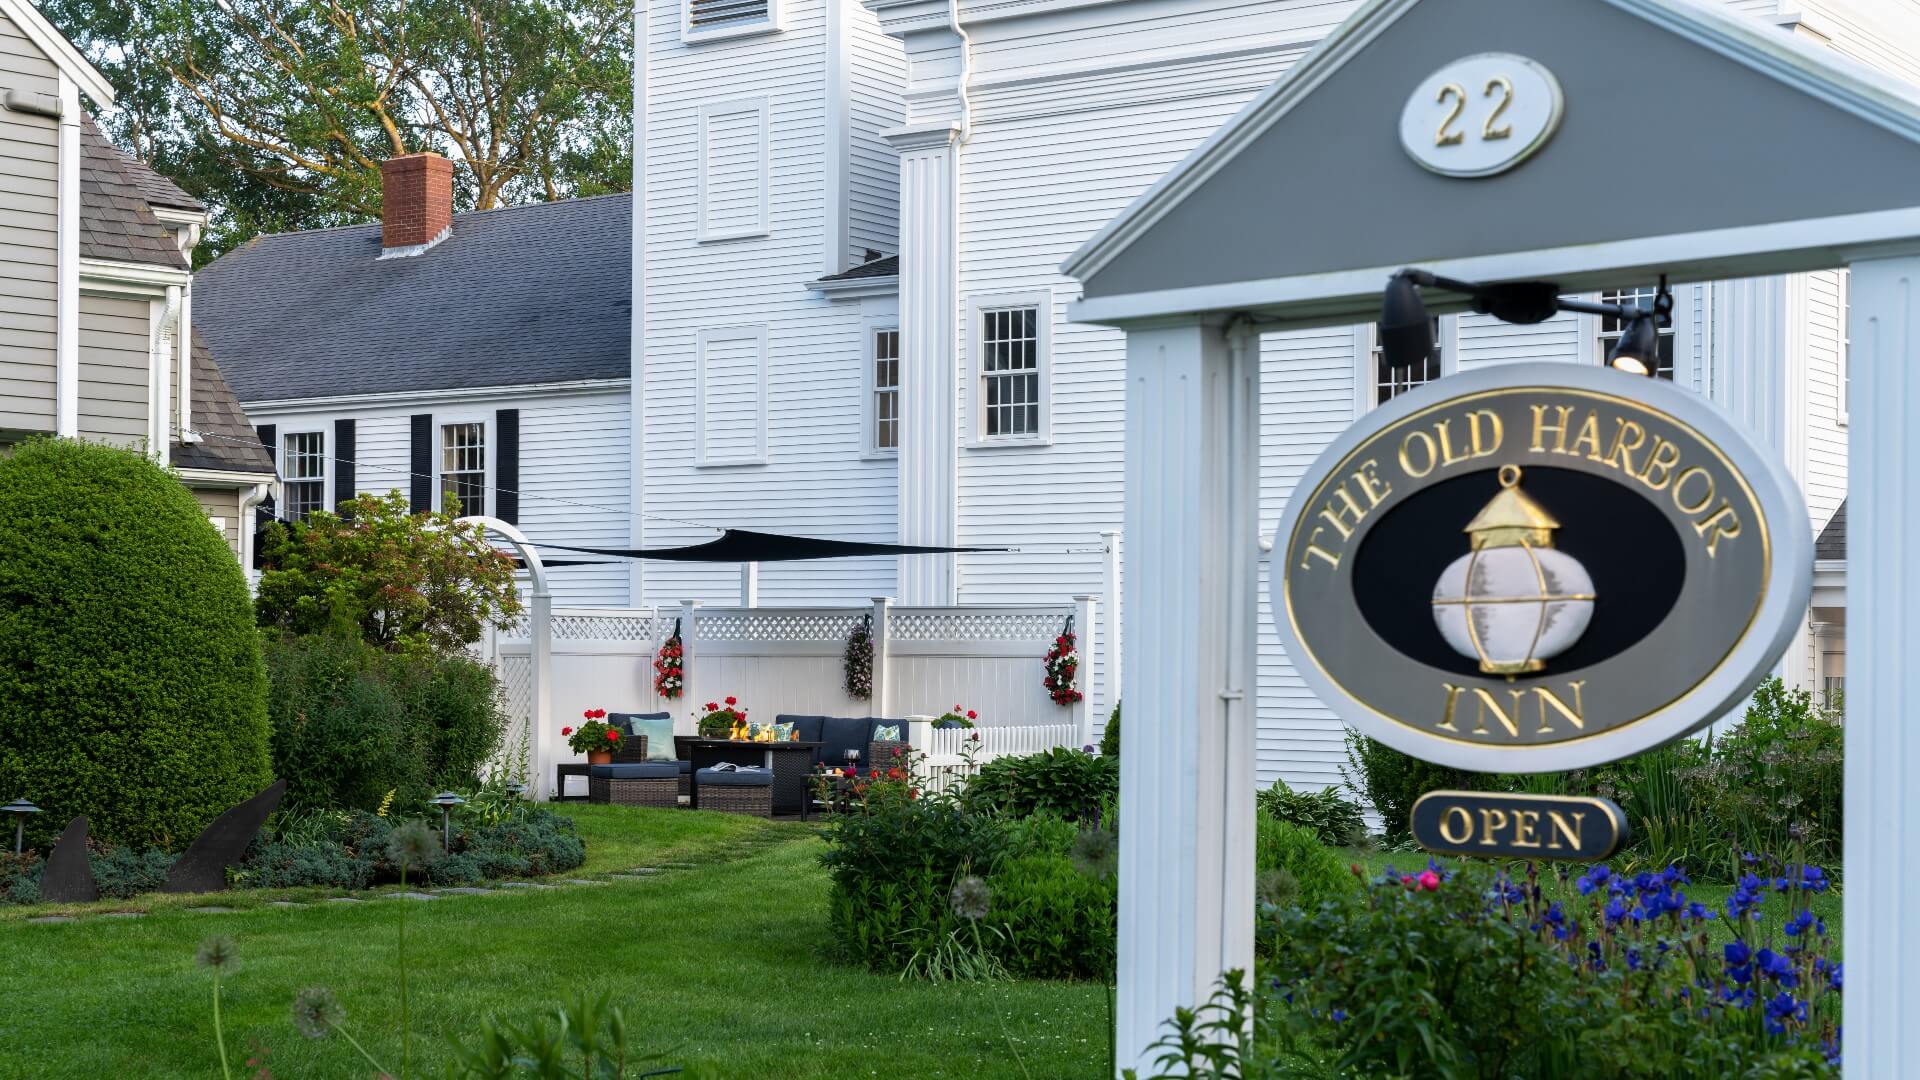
808	727
843	733
734	778
637	770
685	766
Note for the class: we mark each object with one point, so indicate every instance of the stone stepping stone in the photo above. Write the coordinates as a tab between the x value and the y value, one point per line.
53	918
123	914
212	910
414	896
343	899
284	903
582	881
516	885
644	870
464	890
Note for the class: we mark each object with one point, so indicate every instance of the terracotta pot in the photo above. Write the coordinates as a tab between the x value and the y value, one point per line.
599	757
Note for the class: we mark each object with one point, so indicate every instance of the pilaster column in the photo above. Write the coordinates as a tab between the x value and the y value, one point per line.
1883	677
1186	846
928	383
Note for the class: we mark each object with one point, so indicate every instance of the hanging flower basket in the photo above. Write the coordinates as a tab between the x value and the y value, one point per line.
859	660
1063	668
669	680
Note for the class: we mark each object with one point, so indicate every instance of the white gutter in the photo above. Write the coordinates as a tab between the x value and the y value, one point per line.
66	348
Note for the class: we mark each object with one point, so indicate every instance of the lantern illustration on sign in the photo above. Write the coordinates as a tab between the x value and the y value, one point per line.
1513	602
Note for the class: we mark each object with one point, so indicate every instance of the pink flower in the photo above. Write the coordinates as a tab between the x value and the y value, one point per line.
1407	880
1430	881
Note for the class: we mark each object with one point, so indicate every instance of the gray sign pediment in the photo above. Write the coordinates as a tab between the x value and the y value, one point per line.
1678	120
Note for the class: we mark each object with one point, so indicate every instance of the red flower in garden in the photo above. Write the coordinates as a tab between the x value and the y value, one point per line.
971	715
1430	881
566	731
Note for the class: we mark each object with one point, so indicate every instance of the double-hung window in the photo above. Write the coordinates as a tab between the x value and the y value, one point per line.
1009	377
303	473
885	392
1612	326
463	467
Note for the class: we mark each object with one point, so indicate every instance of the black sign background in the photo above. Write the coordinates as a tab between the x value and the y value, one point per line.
1498	825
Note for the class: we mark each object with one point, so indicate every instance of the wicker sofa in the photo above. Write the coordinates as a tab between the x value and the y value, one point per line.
839	734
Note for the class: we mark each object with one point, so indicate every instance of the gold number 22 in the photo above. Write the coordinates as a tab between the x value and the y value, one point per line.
1488	132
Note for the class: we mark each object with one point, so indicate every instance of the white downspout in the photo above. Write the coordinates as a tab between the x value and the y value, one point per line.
248	501
158	356
183	350
960	89
66	363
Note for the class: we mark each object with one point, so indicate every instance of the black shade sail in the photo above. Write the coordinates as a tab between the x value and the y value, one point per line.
745	545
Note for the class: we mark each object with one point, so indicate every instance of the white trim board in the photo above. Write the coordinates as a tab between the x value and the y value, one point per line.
59	50
407	398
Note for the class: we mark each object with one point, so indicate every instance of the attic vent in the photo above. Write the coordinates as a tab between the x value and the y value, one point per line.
704	15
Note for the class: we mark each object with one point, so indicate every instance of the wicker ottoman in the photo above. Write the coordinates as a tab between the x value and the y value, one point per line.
638	783
736	791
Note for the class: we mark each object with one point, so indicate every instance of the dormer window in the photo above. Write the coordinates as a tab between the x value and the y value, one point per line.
704	20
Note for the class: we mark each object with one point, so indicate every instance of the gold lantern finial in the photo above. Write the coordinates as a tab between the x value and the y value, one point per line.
1510	519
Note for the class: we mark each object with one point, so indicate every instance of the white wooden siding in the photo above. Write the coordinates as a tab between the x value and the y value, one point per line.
733	402
115	366
28	228
877	75
1825	478
382	448
816	481
733	170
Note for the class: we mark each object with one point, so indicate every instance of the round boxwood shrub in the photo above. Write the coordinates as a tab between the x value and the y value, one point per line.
131	684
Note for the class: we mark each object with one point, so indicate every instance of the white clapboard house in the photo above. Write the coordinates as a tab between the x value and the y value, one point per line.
852	319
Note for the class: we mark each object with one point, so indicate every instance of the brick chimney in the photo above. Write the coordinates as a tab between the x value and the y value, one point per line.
416	193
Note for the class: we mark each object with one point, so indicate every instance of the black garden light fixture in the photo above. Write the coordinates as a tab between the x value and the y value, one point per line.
1406	334
446	801
516	788
21	809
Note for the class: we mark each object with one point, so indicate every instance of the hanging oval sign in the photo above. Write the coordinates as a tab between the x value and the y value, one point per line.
1539	567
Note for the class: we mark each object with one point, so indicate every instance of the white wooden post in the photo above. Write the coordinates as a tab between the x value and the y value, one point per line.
882	669
540	686
1110	621
1186	793
1085	610
1882	994
749	584
684	724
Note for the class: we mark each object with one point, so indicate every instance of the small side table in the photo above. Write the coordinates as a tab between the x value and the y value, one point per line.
560	773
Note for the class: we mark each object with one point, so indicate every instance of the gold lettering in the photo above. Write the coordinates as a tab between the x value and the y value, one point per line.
1679	482
1491	821
1370	483
1541	427
1482	446
1338	507
1724	522
1506	721
1524	822
1575	716
1620	455
1445	428
1453	696
1448	834
1561	828
1433	454
1314	549
1589	437
1664	457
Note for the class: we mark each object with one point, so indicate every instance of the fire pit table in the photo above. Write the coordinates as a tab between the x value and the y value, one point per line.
791	762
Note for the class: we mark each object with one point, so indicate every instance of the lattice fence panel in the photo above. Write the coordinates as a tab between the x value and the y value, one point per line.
636	628
960	624
516	701
776	626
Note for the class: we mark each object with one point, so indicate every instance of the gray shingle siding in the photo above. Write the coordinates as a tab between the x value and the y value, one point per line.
516	296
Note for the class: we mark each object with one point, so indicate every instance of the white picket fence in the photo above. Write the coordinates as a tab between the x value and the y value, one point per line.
952	754
790	660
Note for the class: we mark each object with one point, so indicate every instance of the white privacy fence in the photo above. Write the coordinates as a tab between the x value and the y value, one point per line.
952	753
791	660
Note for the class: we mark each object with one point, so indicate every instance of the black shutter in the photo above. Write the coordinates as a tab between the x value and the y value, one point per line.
422	463
263	510
506	457
343	457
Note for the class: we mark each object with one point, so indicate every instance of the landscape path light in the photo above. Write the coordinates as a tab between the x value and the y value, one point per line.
21	809
446	801
515	788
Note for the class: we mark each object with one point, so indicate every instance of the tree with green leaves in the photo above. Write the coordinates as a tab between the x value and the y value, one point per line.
278	112
400	581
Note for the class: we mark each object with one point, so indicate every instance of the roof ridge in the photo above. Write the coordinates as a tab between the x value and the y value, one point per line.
375	223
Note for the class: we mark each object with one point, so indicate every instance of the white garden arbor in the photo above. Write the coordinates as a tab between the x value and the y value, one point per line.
540	636
1695	144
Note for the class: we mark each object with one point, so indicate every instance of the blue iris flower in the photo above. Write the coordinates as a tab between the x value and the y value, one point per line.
1776	966
1339	1016
1799	923
1782	1009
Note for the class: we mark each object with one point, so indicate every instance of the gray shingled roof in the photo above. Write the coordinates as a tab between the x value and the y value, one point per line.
116	222
878	268
229	443
158	190
520	295
1832	541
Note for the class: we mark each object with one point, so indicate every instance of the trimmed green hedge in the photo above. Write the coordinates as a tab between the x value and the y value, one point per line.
131	683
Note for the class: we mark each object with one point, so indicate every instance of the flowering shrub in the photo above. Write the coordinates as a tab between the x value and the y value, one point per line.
1471	973
858	660
1063	665
723	720
846	787
669	680
595	735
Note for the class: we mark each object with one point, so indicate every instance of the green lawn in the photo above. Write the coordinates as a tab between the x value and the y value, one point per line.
717	961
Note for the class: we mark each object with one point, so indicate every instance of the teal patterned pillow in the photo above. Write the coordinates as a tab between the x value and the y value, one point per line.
782	732
886	733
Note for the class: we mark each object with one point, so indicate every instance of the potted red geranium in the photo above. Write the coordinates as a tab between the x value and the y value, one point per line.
727	721
594	738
